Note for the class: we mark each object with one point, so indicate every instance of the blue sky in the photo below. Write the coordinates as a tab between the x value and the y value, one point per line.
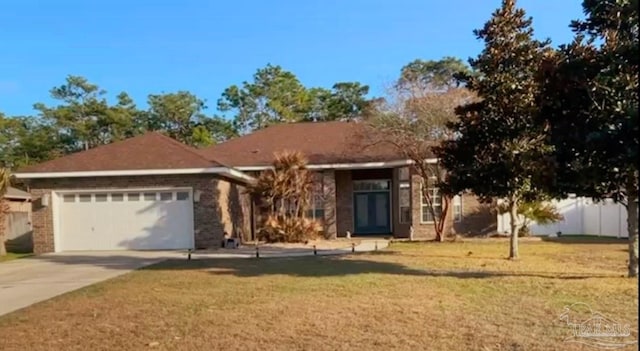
145	46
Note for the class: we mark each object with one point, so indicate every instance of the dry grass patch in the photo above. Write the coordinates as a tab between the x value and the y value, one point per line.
425	296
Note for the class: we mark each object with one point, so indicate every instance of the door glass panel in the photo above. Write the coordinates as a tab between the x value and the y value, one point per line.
117	197
101	197
166	196
382	213
362	208
133	197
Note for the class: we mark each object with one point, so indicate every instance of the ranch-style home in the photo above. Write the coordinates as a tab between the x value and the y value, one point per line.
152	192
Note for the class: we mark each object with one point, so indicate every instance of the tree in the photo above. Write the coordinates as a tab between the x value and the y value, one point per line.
80	116
277	96
500	150
5	182
274	96
181	116
591	104
345	101
26	140
415	118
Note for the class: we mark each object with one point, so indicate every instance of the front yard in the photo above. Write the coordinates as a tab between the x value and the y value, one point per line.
420	296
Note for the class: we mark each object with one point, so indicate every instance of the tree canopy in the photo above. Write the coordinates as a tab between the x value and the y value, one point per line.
500	149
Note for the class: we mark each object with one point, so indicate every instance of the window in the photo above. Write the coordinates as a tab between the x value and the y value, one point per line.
404	202
69	198
117	197
133	197
85	197
166	196
316	205
436	200
457	208
370	185
101	197
182	196
149	196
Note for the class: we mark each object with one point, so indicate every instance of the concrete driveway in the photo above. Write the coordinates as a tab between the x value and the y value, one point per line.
29	280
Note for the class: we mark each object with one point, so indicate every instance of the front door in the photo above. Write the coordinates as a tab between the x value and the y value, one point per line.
371	212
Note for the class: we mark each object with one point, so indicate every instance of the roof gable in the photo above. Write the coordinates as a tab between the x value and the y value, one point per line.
321	142
151	150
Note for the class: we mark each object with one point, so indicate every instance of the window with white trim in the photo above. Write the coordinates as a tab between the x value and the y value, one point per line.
457	208
436	203
404	202
316	204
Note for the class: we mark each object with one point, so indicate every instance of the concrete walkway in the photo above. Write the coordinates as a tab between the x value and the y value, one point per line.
267	251
26	281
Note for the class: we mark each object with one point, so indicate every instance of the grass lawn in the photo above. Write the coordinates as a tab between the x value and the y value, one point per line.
412	296
12	256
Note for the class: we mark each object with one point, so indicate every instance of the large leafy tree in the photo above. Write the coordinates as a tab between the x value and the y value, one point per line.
591	105
500	149
414	118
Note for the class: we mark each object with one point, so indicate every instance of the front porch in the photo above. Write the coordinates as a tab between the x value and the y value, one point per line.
373	202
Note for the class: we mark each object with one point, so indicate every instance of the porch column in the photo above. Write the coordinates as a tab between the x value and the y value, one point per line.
329	190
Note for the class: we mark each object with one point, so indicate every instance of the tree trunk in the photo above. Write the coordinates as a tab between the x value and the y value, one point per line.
632	224
513	242
3	212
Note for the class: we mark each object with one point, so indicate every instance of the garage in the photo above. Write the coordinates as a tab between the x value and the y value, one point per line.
130	219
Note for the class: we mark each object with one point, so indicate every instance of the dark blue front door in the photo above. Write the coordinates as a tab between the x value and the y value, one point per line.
371	212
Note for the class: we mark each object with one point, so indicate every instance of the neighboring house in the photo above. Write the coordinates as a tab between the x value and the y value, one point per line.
17	226
152	192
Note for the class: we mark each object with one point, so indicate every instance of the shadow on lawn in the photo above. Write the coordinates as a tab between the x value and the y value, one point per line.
332	266
584	239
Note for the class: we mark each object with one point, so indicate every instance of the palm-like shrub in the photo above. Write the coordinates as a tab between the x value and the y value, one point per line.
284	193
541	212
5	182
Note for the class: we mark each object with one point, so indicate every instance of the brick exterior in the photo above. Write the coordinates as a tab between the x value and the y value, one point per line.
477	218
329	193
344	202
223	206
424	230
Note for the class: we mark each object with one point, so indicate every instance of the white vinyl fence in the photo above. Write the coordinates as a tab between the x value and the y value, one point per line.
581	216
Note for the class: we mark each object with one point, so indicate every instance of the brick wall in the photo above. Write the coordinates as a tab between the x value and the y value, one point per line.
223	206
344	202
477	218
424	230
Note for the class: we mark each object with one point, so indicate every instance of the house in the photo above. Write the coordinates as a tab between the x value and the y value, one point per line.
17	221
152	192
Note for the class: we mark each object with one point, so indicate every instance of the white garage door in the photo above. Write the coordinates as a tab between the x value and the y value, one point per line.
125	220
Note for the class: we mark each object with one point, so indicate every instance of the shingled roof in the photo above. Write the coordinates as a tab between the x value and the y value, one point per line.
321	142
150	151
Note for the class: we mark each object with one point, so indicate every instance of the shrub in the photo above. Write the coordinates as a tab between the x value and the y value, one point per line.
541	212
289	229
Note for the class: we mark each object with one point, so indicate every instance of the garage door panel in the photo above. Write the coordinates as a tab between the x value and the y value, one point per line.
138	220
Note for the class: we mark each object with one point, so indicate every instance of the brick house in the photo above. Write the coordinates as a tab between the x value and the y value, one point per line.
152	192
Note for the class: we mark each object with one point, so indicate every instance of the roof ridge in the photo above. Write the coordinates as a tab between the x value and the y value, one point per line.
190	149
